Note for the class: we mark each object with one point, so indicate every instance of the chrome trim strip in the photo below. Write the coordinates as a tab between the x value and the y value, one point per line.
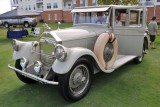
33	76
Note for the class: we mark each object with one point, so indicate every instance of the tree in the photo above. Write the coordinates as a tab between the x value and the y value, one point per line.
118	2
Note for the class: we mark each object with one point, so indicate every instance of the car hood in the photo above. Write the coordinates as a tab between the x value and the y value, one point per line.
78	32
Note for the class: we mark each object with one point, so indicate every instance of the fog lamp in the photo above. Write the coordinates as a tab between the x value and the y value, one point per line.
24	62
37	66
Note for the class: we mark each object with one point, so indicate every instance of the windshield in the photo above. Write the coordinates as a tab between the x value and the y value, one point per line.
91	18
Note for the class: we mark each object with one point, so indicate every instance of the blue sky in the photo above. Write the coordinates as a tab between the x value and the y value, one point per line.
5	6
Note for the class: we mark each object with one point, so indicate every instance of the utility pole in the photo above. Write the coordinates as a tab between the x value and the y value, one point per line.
154	8
11	4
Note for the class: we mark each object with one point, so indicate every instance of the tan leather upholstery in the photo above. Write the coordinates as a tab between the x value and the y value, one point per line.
100	46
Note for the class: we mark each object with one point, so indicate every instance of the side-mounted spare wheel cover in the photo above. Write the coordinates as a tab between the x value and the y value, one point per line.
106	49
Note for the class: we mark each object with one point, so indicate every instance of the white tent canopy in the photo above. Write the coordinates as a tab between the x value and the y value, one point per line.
92	9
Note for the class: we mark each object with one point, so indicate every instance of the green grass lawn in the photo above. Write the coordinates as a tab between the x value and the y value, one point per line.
129	86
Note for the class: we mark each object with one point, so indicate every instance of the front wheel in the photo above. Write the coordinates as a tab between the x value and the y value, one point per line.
76	83
6	25
26	24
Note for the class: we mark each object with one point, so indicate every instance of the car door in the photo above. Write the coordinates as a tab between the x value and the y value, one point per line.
130	34
13	21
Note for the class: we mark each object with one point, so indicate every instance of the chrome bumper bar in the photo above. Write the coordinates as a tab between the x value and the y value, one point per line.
41	80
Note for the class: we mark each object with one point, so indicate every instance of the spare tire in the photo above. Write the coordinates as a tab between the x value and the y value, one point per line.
106	49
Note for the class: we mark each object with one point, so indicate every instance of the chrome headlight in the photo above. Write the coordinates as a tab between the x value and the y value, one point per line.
60	52
37	66
15	45
24	62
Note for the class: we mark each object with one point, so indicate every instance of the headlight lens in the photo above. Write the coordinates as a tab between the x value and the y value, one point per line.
60	52
15	46
24	62
37	66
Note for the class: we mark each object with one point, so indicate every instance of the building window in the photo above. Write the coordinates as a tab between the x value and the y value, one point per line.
81	2
149	3
48	5
86	2
93	2
55	16
69	6
15	1
49	16
29	7
55	5
158	0
74	3
34	7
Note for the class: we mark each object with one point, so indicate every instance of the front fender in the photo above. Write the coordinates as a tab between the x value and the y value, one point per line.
25	50
73	55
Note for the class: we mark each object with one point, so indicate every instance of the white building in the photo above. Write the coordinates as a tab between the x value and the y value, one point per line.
52	10
153	7
149	3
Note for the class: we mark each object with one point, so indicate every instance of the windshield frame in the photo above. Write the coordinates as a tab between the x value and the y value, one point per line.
104	14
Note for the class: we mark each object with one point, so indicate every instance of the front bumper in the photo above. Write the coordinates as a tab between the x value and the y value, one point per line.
41	80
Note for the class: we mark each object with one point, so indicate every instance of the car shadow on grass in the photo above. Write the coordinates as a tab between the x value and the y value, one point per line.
40	95
34	95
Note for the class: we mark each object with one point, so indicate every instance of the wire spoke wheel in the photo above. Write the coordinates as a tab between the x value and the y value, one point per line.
79	79
75	84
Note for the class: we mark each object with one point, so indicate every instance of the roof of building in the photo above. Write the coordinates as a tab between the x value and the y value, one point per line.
16	13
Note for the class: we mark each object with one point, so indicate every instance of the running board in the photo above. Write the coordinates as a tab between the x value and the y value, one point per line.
119	62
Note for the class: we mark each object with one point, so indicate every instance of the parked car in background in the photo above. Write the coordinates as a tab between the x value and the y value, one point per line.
26	22
69	57
0	22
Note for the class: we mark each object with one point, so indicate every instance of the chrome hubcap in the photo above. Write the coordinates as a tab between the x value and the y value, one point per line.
79	79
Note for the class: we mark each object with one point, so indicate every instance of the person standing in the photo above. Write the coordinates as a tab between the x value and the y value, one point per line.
153	31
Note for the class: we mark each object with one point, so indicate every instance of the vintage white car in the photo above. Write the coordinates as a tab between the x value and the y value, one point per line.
103	39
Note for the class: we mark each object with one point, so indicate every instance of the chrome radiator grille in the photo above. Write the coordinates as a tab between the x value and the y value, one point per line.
47	46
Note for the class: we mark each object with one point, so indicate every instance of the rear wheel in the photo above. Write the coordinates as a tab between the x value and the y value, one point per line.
139	59
26	24
21	77
76	83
